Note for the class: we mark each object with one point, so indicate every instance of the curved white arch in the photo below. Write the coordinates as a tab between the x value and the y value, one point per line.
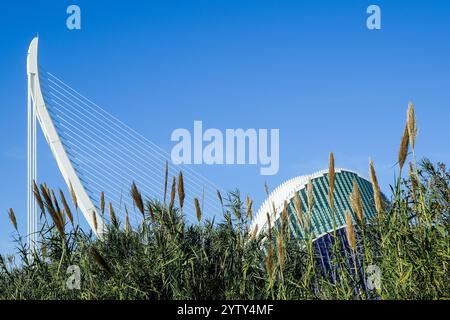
51	135
285	192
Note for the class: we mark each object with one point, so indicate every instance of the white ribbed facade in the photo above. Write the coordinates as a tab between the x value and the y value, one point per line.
286	192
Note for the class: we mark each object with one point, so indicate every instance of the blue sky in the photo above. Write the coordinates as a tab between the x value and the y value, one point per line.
310	68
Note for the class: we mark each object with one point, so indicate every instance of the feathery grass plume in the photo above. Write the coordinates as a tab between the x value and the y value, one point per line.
94	220
249	208
356	202
298	208
172	194
47	198
127	220
284	217
62	216
100	260
197	209
37	196
166	178
59	223
151	213
58	209
66	207
44	250
55	215
102	202
309	189
112	215
350	232
285	220
269	259
237	208
331	177
255	232
181	194
274	210
412	177
280	249
74	196
376	188
269	227
219	195
412	126
46	188
61	213
12	217
137	198
266	188
404	144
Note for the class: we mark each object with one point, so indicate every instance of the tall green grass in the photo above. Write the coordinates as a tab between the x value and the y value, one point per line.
167	258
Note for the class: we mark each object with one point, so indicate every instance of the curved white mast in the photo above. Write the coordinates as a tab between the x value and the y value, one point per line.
31	163
37	109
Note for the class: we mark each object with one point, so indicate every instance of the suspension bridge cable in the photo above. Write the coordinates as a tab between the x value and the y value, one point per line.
210	196
91	105
215	207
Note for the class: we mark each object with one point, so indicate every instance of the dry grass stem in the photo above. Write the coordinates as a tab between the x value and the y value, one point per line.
412	126
112	215
38	197
172	194
219	195
376	188
94	220
12	217
404	144
181	194
198	210
102	202
298	209
280	249
249	208
137	198
331	178
66	207
356	202
127	221
350	231
255	232
100	260
310	193
166	179
73	195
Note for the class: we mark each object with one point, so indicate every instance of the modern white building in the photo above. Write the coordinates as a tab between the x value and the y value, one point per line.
321	222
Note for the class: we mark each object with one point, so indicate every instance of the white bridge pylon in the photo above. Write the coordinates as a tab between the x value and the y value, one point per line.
37	109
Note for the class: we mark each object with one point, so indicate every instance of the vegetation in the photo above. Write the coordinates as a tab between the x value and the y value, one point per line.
167	258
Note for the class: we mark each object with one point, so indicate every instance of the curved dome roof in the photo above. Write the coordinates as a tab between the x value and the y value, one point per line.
286	192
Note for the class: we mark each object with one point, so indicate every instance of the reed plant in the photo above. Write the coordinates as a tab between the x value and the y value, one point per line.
165	257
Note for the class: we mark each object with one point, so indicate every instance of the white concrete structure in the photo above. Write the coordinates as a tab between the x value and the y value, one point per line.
286	192
37	110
